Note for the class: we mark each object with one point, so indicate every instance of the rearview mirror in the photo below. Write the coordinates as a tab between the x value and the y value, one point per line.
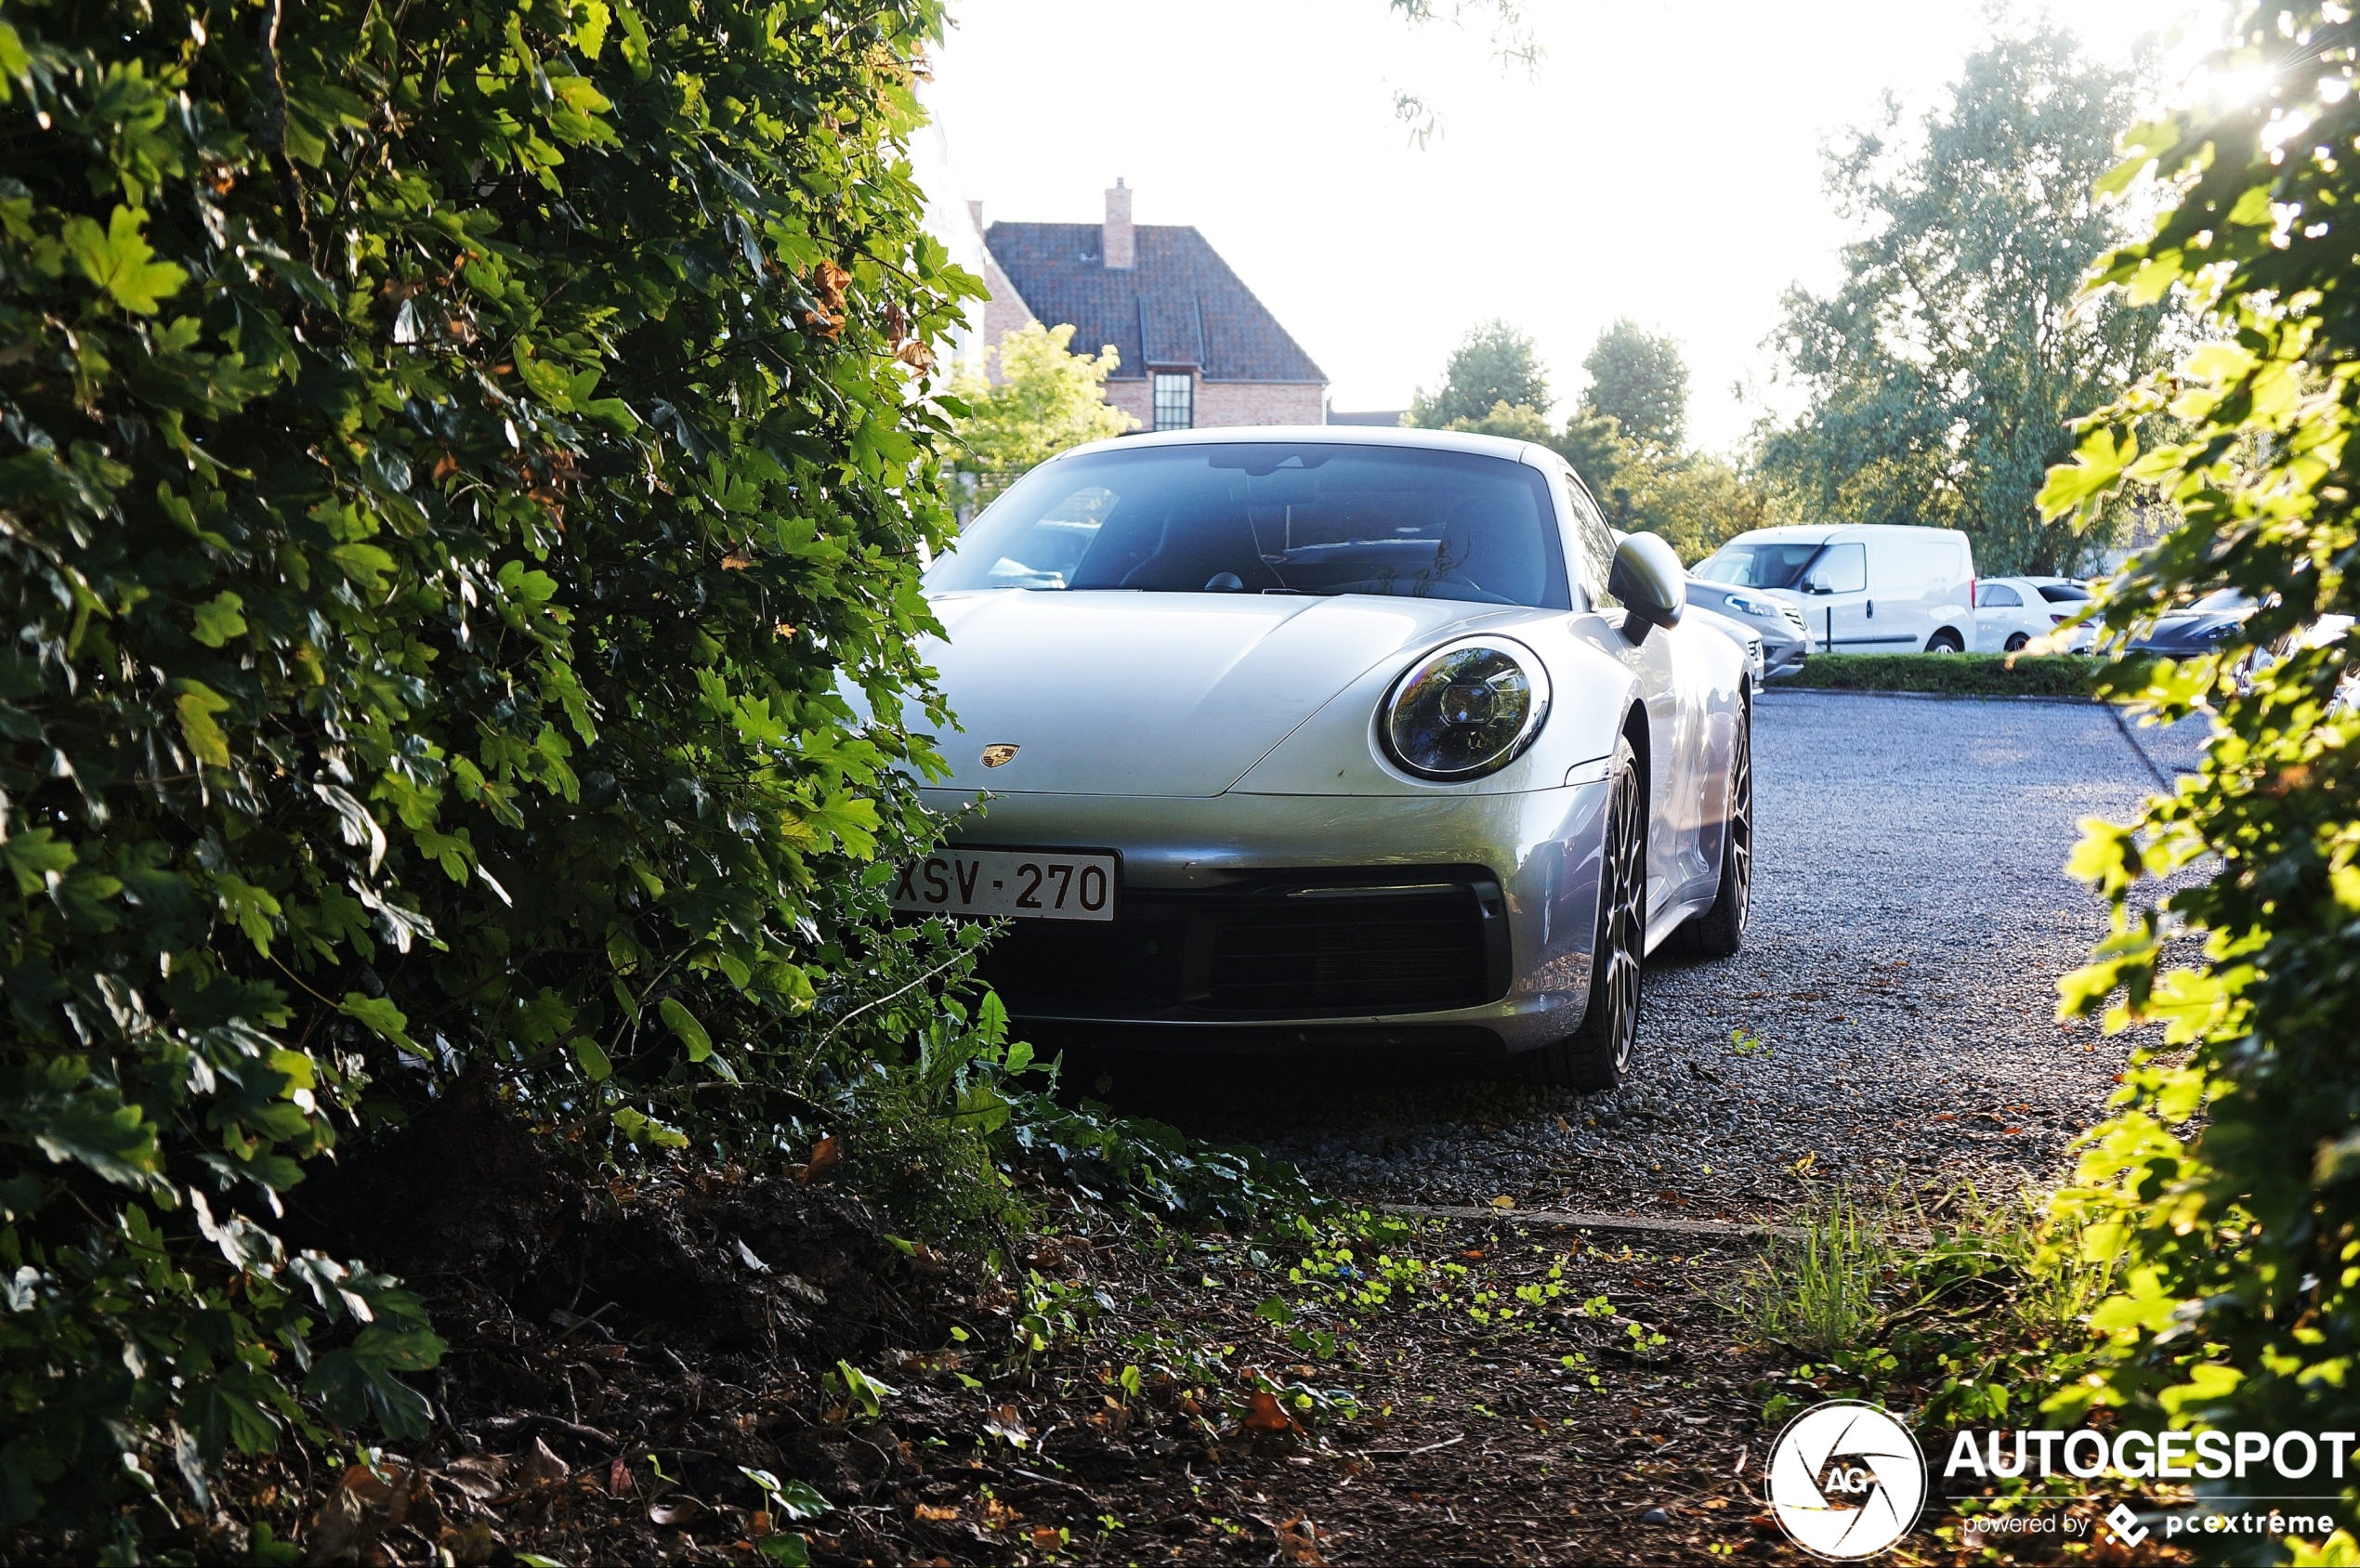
1650	580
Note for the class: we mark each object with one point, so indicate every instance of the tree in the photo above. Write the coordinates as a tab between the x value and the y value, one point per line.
2221	1196
1639	381
1046	401
1942	371
457	458
1495	365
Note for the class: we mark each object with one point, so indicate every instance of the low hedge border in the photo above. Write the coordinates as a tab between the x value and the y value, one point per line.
2069	676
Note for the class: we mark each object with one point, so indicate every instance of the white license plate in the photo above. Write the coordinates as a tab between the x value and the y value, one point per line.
1028	884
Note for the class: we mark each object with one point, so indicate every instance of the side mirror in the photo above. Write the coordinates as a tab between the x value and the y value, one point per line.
1650	581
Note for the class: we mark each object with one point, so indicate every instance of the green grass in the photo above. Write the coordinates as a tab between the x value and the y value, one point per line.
1963	675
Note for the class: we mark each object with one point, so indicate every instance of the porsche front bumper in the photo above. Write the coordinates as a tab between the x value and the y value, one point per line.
1257	921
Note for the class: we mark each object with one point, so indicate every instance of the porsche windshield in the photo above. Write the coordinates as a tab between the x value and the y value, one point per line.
1272	517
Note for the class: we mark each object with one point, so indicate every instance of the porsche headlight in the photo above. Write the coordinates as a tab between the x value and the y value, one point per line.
1465	710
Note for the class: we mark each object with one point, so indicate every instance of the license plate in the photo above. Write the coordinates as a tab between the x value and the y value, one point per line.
1028	884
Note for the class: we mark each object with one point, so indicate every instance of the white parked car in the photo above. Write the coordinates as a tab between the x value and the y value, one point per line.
1862	588
1332	736
2010	612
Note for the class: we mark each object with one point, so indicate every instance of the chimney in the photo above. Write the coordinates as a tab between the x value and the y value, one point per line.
1118	247
975	214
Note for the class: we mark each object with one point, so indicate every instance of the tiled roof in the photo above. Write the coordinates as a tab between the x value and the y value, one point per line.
1180	306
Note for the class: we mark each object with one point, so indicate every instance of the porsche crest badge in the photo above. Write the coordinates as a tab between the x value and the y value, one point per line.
997	754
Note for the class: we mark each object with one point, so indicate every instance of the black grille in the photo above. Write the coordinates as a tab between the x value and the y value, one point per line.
1277	947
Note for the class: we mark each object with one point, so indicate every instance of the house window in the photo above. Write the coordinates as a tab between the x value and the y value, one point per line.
1176	400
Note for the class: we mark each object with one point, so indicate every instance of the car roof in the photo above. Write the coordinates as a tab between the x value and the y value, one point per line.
1820	534
1325	435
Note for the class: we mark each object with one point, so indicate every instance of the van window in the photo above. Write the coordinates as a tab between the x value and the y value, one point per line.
1769	564
1998	596
1841	568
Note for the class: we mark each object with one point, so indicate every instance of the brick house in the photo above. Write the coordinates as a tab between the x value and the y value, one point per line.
1196	347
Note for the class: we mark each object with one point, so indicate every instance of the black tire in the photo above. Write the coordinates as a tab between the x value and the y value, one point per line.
2017	642
1945	641
1597	1054
1721	930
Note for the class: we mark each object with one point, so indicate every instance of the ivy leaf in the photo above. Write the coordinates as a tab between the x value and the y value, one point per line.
119	259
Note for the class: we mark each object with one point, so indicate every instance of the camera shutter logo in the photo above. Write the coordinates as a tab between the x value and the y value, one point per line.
1846	1480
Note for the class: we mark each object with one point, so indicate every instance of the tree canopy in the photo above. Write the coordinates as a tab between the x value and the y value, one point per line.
1047	399
1941	372
1638	379
1496	363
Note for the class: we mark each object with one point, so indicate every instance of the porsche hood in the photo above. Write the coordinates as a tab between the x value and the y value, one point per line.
1156	694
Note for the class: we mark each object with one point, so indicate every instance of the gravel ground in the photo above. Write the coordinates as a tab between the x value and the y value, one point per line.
1896	995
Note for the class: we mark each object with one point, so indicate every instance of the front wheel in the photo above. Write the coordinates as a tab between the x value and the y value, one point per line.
2017	642
1598	1054
1945	641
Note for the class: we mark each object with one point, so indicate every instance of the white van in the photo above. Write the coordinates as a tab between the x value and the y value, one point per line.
1865	588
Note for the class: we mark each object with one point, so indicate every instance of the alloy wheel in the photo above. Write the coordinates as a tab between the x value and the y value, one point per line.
1624	931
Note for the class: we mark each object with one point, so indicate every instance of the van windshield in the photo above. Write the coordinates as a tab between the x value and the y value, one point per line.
1272	517
1772	564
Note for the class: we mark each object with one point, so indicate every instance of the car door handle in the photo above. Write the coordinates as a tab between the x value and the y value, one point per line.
1872	610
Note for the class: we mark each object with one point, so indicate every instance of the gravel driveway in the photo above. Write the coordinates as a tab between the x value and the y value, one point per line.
1896	995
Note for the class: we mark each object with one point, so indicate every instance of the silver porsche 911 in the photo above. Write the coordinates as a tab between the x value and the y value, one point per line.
1303	736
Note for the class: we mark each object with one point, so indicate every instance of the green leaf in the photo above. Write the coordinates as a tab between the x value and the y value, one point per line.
382	1018
594	1061
788	1552
36	859
219	620
196	705
120	260
684	1024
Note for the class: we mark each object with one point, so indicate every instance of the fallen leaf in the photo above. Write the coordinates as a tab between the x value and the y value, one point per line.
1047	1537
939	1515
826	1154
618	1477
1503	1201
1946	1116
471	1545
675	1510
480	1476
997	1514
1298	1540
1263	1413
542	1466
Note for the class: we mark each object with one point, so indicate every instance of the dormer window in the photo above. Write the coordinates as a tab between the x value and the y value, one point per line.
1175	404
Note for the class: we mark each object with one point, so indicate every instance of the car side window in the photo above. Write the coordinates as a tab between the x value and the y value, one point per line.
1594	544
1998	596
1841	568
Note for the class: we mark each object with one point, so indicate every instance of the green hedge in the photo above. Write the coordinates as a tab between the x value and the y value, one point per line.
1965	675
456	458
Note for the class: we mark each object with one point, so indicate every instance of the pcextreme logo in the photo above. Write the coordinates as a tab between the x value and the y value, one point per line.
1846	1480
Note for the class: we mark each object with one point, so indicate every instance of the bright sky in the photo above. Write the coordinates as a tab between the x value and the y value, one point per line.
1664	163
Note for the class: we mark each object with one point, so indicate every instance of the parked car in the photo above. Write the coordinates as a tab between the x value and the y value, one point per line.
1862	588
1745	637
1321	736
2212	620
2010	612
1786	642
